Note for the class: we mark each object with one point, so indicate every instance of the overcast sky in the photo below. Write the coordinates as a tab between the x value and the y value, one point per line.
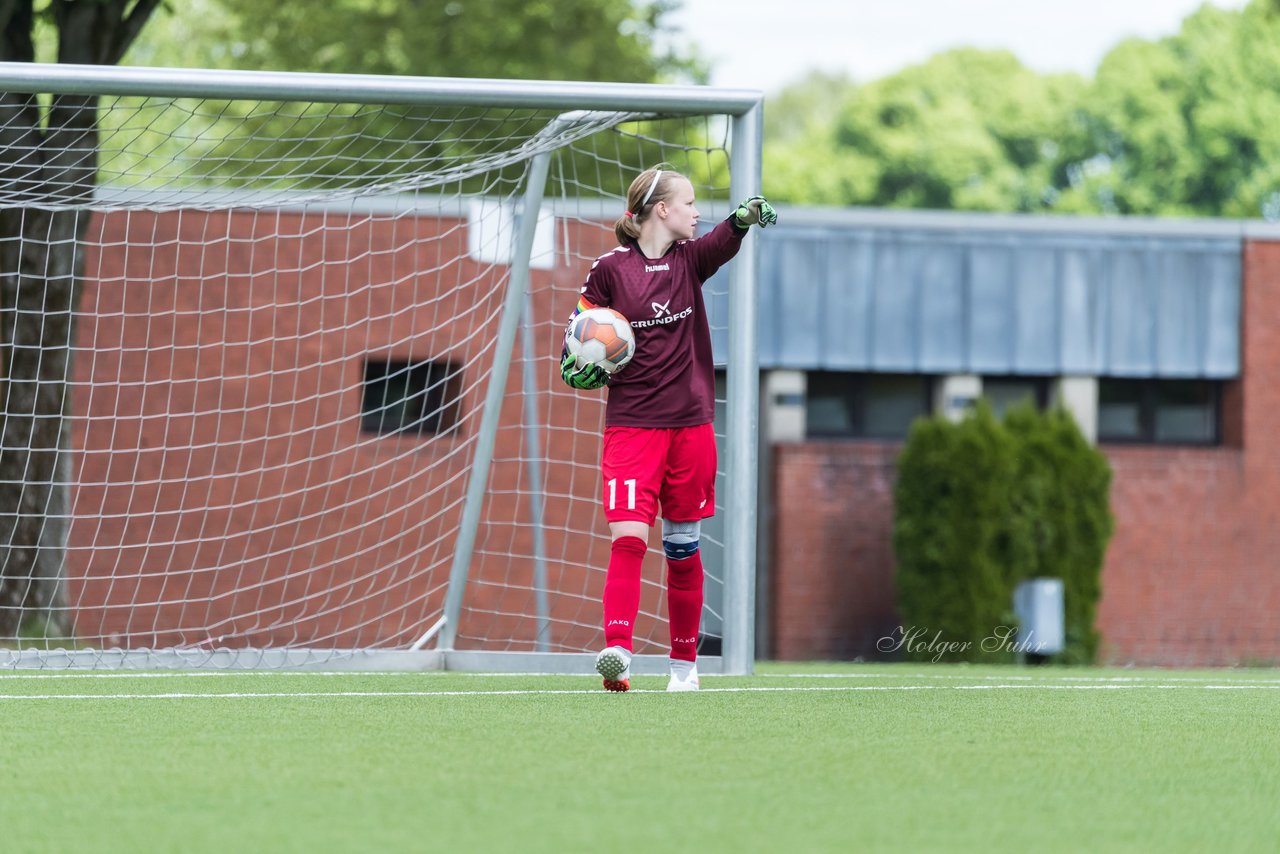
765	44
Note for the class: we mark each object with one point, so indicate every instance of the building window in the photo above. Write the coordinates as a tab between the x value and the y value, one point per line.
864	406
1176	412
410	398
1004	393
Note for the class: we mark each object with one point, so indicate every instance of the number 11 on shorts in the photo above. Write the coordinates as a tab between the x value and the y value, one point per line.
630	484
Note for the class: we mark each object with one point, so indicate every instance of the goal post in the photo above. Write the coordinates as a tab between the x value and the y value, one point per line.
525	229
313	415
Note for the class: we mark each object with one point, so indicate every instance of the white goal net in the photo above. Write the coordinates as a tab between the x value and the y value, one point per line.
280	373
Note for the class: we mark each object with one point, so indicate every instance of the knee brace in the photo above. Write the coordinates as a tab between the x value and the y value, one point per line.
680	539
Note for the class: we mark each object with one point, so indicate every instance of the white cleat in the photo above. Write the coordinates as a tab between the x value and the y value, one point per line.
686	683
614	666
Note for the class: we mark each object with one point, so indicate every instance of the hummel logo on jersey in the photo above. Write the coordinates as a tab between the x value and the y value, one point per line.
660	308
655	268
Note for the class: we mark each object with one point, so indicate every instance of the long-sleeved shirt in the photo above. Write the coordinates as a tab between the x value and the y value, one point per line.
670	382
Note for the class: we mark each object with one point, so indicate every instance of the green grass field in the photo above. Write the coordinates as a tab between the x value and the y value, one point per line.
799	758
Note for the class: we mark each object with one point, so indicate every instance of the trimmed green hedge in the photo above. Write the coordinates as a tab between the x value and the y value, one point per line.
981	505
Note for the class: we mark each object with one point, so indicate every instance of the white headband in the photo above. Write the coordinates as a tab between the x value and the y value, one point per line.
656	176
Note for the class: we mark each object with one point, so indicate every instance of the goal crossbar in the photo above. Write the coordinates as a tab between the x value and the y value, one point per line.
70	79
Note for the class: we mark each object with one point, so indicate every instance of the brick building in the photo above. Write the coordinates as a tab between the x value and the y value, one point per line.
191	409
252	392
1158	336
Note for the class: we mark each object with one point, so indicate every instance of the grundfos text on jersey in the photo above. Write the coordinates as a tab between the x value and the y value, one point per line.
671	318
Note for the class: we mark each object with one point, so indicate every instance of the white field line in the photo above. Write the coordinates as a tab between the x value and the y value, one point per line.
438	674
599	693
1154	677
348	674
197	674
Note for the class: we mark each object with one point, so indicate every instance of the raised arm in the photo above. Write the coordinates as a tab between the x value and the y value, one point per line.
714	249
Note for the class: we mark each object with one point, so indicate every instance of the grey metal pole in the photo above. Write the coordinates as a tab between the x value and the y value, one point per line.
742	415
533	453
477	484
74	79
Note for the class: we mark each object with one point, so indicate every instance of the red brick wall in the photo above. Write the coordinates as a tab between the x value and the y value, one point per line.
1192	576
226	495
831	587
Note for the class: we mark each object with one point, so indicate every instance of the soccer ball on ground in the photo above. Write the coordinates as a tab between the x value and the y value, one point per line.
601	337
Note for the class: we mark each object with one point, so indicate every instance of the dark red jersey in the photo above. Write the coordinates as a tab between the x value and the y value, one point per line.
671	380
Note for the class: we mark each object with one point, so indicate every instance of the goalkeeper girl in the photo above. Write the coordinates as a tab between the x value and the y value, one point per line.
659	451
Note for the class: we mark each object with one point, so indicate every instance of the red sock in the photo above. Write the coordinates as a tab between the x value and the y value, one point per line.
684	604
622	591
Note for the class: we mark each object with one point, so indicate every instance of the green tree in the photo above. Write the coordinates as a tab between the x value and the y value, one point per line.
981	505
802	161
1180	126
349	144
968	129
1062	506
1187	125
48	163
957	560
514	39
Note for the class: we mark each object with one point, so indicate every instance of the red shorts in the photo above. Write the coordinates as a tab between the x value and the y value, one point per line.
672	466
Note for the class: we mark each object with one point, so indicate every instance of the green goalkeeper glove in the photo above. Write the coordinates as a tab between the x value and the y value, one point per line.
581	376
755	210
